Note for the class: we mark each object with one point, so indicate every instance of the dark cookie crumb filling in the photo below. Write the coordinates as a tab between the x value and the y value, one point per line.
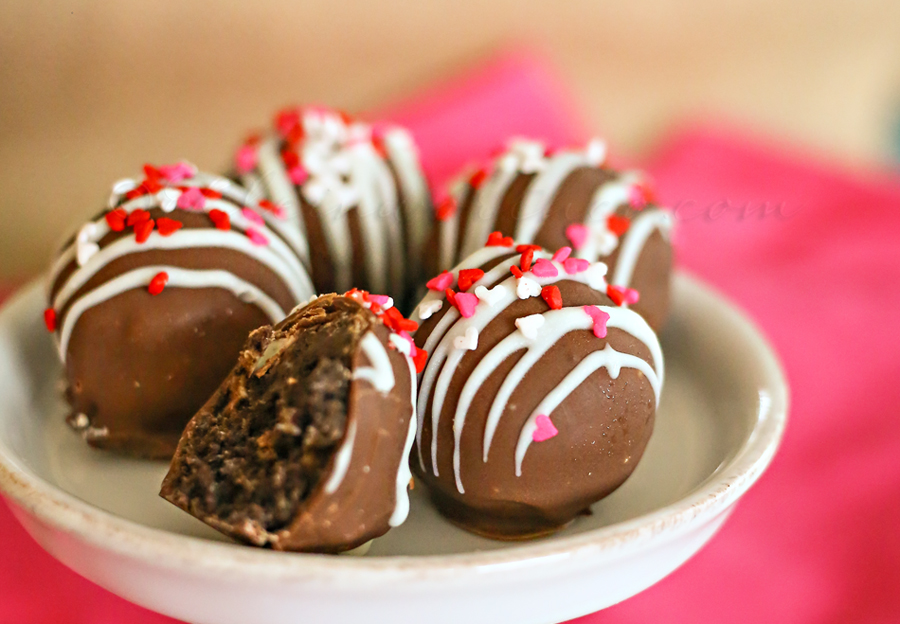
254	454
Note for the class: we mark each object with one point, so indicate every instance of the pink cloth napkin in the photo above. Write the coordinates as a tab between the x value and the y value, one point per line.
812	253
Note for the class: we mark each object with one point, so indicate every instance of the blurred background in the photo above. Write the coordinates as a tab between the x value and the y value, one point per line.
91	90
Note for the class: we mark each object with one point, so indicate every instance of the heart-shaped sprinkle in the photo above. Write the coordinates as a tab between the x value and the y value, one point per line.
527	258
210	193
84	252
419	359
465	303
245	159
382	301
192	199
451	295
617	225
492	296
595	152
158	282
467	341
599	317
478	178
445	208
544	268
523	248
621	294
252	216
544	428
637	198
177	172
298	174
168	199
168	226
123	186
467	277
577	235
515	271
552	296
142	230
396	321
441	282
87	232
573	266
256	237
136	216
427	308
527	287
530	324
286	121
220	219
115	219
496	239
50	319
272	207
561	254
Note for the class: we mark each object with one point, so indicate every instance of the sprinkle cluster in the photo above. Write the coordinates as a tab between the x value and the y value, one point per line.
383	308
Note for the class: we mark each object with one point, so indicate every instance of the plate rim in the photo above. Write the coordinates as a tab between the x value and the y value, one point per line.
163	549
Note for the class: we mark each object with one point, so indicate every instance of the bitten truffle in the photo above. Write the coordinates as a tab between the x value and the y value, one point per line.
539	394
305	446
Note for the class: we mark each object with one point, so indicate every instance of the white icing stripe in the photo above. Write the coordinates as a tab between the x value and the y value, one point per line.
402	153
389	215
484	209
342	460
279	188
293	276
542	191
401	504
635	238
607	358
606	199
372	219
448	230
178	278
379	373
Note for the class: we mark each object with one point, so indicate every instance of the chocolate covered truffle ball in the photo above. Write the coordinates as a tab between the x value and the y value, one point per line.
151	301
305	446
539	394
567	197
354	192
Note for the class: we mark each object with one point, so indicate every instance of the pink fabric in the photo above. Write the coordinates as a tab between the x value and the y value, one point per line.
812	253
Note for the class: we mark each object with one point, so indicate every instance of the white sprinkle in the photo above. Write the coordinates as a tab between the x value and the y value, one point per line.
492	296
427	308
168	199
527	287
87	232
123	186
84	252
596	276
595	152
529	325
468	341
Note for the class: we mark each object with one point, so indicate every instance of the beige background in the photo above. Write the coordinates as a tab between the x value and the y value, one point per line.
90	90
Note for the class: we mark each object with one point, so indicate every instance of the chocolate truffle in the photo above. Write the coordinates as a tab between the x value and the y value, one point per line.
151	301
353	191
539	395
567	197
305	446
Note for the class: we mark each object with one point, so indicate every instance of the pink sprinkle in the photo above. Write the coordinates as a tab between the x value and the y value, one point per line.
252	216
577	233
544	268
192	199
465	303
621	294
256	237
246	159
575	265
177	173
599	317
545	428
298	174
561	254
412	343
636	197
379	299
440	283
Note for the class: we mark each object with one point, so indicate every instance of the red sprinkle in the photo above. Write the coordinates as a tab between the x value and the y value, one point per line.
50	319
524	248
516	271
467	277
496	239
142	230
272	207
617	225
419	359
527	257
287	121
150	186
220	219
210	193
620	294
167	226
290	158
478	178
445	209
451	295
158	282
116	219
552	296
398	322
152	173
135	193
137	216
440	282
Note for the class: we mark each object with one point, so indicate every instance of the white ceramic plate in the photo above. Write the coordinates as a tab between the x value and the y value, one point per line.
722	415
